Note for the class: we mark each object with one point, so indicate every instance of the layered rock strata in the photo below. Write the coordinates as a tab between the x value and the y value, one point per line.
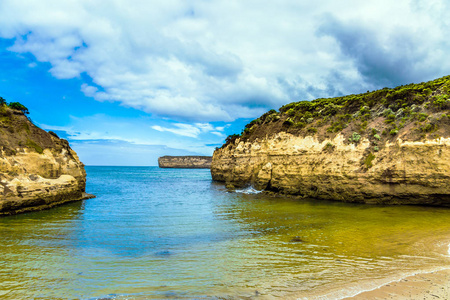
38	170
390	146
401	173
185	162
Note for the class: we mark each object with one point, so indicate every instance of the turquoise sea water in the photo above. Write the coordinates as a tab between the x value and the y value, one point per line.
165	233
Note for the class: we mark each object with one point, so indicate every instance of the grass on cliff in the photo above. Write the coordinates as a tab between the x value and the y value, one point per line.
17	131
413	111
33	145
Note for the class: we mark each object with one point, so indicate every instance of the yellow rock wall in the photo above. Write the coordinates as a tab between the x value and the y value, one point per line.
36	179
402	172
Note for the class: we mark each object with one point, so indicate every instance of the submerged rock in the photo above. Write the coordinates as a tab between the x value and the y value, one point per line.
38	170
296	239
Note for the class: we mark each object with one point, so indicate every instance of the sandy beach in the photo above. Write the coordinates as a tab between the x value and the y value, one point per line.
433	285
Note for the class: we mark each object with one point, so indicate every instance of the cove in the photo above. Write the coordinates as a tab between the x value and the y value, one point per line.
169	233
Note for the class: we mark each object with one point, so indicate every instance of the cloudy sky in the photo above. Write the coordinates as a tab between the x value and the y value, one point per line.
128	81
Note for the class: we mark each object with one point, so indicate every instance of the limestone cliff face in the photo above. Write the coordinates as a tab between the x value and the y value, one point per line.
385	150
402	172
185	162
38	170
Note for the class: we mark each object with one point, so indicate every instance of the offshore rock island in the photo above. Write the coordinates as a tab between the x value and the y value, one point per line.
185	162
390	146
38	170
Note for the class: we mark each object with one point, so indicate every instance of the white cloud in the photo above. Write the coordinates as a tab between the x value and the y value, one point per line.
182	129
221	134
221	60
189	130
200	138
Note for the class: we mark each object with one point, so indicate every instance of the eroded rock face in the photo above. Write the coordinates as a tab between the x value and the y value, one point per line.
185	162
401	172
37	169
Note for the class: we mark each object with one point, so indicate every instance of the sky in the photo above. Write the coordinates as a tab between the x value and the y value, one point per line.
128	81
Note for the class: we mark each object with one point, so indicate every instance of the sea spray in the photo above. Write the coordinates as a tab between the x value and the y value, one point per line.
248	190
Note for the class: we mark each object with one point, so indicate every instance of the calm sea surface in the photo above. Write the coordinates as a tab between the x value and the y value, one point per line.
165	233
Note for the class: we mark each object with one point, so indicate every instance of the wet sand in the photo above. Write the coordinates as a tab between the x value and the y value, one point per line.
434	285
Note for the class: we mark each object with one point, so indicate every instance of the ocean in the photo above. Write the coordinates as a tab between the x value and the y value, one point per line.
174	234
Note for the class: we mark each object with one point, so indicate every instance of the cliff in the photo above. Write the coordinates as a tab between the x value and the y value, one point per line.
185	162
390	146
38	170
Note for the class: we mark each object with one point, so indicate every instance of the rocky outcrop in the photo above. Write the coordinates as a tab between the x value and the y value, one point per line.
185	162
401	173
381	158
38	170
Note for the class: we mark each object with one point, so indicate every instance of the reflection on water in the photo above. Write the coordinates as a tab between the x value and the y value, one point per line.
158	233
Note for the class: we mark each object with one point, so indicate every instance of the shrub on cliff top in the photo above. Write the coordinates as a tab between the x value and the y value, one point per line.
18	106
387	108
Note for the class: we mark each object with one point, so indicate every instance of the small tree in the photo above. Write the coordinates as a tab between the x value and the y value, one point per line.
2	101
18	106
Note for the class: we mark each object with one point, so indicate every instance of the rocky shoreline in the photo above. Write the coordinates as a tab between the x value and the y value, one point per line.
384	147
38	170
402	173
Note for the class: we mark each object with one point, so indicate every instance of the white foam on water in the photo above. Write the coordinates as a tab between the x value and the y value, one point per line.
248	190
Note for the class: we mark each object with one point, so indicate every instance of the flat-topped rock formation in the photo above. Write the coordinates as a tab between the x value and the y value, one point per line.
38	170
185	162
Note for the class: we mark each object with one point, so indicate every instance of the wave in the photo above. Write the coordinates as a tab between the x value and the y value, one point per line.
248	190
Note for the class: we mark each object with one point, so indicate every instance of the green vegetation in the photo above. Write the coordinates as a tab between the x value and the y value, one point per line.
441	101
390	111
393	131
329	147
354	138
312	130
422	117
14	105
32	144
26	127
368	160
18	106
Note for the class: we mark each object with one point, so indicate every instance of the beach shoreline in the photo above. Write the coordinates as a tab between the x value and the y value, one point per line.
427	285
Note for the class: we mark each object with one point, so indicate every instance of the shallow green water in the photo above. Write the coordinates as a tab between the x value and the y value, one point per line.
155	233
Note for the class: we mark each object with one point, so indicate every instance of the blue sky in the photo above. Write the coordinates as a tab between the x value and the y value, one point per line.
128	81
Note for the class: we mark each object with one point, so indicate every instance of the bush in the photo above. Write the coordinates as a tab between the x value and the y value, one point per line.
312	130
288	122
231	138
422	117
2	101
355	137
329	147
300	124
18	106
429	128
393	131
441	102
